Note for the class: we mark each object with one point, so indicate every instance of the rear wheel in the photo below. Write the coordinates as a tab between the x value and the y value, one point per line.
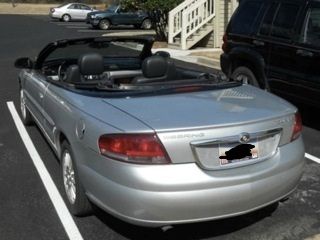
77	200
25	114
104	24
245	75
66	18
146	24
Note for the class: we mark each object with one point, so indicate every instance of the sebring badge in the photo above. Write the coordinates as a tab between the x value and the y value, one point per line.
244	137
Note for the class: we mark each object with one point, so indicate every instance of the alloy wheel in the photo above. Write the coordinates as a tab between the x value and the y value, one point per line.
23	104
69	177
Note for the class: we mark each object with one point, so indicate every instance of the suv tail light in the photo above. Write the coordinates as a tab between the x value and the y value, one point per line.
134	148
297	127
225	42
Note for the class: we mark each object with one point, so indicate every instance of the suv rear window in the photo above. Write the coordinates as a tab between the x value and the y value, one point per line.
284	23
245	17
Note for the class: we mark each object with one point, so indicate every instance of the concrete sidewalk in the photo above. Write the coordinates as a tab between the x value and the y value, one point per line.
209	57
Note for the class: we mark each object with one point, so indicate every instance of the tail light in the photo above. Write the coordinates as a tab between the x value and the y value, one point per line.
52	10
225	42
297	127
134	148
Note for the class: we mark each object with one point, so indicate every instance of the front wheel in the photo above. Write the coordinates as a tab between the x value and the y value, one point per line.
146	24
245	75
104	24
77	200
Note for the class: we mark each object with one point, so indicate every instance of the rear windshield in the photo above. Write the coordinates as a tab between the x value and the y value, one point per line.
245	17
62	5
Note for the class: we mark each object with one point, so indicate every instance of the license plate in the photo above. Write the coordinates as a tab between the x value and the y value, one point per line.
237	152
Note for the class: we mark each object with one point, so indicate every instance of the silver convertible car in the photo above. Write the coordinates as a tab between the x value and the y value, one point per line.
155	144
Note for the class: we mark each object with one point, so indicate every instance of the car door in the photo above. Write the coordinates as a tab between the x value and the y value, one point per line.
125	17
261	41
84	11
35	87
74	11
307	55
282	65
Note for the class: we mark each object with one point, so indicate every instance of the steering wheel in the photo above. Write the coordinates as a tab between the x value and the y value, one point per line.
62	70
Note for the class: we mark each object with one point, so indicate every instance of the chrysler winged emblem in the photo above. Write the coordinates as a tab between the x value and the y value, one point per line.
244	137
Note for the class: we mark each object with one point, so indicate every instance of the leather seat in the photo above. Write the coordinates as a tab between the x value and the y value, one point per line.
90	68
156	69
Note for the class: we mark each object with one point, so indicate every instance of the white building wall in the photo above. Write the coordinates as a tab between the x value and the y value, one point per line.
224	10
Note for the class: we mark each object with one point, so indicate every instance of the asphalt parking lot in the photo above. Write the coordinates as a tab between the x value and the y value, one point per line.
27	211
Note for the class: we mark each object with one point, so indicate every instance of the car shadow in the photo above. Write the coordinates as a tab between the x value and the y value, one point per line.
185	231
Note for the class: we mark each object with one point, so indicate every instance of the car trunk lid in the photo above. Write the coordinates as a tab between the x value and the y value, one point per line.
202	126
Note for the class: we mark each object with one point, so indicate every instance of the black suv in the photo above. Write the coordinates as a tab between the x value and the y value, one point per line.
275	44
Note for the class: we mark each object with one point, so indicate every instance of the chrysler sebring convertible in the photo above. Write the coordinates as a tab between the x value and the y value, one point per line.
155	144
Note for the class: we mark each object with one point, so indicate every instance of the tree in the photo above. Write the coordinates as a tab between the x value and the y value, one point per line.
158	12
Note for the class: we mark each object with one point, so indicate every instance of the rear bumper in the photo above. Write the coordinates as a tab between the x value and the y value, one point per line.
54	15
183	193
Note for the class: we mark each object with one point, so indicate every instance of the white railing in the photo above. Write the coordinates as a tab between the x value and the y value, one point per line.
194	17
175	19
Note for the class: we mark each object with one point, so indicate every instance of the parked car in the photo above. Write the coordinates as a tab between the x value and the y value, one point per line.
116	15
276	45
155	144
71	11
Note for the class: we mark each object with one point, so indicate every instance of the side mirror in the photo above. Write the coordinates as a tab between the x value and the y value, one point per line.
23	63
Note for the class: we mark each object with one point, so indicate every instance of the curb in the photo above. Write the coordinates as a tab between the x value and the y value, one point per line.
130	33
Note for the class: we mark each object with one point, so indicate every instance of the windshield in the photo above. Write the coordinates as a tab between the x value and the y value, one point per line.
112	8
108	49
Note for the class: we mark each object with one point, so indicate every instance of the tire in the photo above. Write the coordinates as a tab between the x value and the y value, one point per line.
74	193
245	75
66	18
25	113
104	24
146	24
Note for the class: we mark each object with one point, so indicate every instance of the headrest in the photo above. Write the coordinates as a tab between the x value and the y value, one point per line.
72	74
91	64
162	54
154	66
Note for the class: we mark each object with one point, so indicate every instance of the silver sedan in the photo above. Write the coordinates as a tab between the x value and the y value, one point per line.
154	144
70	11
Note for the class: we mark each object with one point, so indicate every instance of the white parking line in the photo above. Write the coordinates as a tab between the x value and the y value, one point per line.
79	27
92	30
68	24
56	199
313	158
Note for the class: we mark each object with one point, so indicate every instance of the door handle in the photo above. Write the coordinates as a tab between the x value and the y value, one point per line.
304	53
258	43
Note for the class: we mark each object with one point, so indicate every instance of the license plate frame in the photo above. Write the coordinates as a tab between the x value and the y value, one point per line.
223	147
